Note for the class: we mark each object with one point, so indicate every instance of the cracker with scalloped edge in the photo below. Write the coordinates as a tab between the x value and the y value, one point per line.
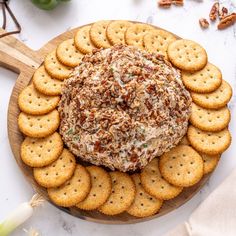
58	172
68	54
211	143
134	34
209	119
154	184
122	194
216	99
116	31
72	191
144	205
205	80
98	34
82	40
100	189
181	166
209	162
55	68
33	102
157	41
45	84
187	55
39	126
39	152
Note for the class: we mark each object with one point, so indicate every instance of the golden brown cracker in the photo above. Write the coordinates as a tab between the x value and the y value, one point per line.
155	184
98	34
74	190
82	40
45	84
39	152
210	162
58	172
181	166
38	126
187	55
209	119
100	189
211	143
184	141
55	68
33	102
134	34
122	195
116	31
68	54
206	80
144	205
216	99
157	41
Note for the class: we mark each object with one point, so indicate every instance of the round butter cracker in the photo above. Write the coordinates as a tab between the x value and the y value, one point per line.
58	172
55	68
206	80
209	119
38	126
72	191
184	141
216	99
82	40
134	34
144	205
100	189
45	84
211	143
68	54
155	184
116	31
33	102
210	162
98	34
187	55
157	41
122	194
39	152
181	166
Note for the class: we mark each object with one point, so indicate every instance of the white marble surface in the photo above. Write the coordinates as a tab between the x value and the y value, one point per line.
37	28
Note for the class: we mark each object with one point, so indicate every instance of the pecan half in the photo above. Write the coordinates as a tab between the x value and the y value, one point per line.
164	3
227	21
203	23
178	2
223	12
214	11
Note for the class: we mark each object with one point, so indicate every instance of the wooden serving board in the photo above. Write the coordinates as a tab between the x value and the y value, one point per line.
17	57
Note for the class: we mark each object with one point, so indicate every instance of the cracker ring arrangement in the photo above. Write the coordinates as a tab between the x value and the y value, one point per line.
50	145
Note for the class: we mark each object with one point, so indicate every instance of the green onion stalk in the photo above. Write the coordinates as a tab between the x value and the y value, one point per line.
23	212
47	4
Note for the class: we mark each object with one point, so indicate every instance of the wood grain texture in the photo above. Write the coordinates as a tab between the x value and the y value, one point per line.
19	58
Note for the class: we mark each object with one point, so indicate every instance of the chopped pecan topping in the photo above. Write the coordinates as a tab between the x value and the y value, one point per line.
122	107
227	21
204	23
164	3
214	11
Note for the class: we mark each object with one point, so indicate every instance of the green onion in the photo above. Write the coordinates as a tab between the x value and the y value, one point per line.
20	215
70	131
47	4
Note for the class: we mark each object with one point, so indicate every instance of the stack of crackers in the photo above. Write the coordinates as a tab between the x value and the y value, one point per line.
70	183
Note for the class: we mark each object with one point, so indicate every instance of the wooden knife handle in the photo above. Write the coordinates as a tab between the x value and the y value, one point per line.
16	56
